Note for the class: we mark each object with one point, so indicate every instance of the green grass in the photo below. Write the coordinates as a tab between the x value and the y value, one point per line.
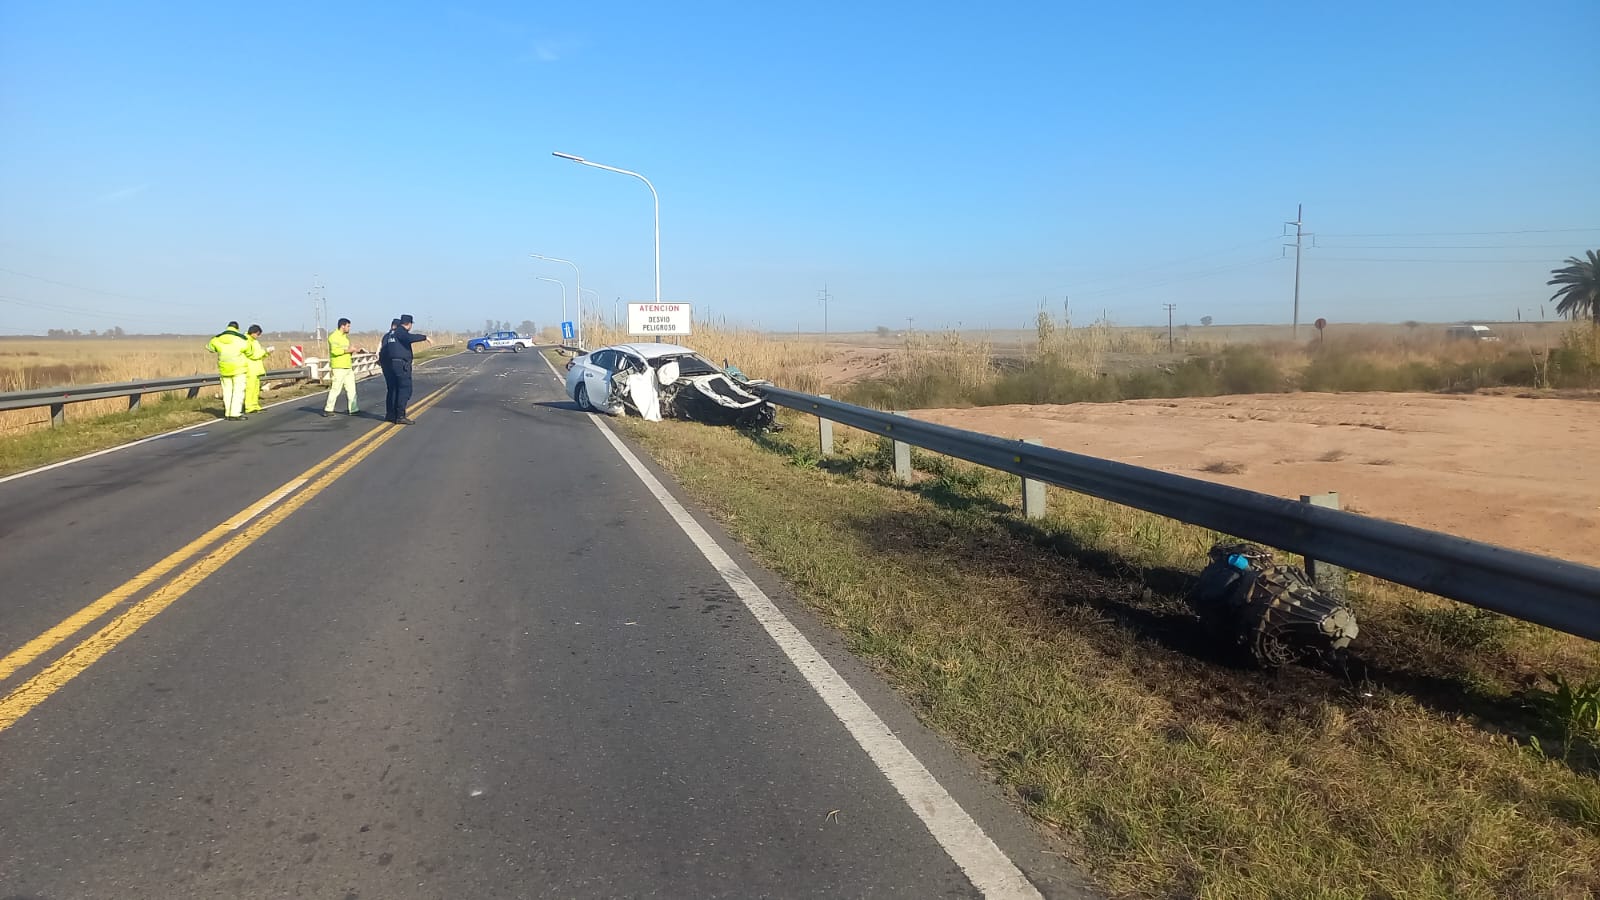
1060	654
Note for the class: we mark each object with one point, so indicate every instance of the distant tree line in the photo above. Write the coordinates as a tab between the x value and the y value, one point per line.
527	326
113	332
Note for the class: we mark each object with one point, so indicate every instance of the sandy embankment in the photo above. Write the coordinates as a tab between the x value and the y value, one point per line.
1519	472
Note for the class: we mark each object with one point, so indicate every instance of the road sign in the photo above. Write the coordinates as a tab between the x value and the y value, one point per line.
297	356
568	332
660	319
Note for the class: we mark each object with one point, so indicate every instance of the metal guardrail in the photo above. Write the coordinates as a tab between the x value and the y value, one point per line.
1553	592
57	398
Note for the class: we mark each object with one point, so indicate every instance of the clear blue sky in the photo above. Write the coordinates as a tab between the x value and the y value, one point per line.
171	166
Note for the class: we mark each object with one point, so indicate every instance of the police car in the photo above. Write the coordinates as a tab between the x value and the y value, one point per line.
500	340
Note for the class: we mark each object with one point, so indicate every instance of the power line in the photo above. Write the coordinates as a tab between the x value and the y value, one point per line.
1181	277
80	287
1464	233
1145	270
1441	246
1386	259
84	311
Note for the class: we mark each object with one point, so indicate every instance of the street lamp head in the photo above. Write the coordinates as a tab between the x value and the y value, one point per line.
567	156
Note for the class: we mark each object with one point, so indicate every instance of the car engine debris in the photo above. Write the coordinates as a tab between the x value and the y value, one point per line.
1271	612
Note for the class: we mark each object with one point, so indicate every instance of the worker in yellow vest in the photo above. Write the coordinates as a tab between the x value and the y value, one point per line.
231	366
256	356
339	367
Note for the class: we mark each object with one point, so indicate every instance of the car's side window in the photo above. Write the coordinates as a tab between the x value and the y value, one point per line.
601	359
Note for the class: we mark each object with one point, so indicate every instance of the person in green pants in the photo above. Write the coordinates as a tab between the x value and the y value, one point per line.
256	366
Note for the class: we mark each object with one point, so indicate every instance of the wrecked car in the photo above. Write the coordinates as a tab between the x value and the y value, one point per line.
657	381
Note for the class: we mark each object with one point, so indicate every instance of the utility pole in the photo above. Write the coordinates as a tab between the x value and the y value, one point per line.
1170	307
909	320
1299	236
824	297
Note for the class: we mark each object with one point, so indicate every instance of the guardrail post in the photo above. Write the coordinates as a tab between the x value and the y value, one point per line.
194	392
902	457
1333	580
133	401
825	431
1032	491
58	415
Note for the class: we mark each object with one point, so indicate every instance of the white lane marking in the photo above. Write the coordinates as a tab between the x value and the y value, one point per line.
265	504
166	434
143	440
985	864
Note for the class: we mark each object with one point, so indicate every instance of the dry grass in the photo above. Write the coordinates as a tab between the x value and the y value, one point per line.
1059	653
1223	467
794	364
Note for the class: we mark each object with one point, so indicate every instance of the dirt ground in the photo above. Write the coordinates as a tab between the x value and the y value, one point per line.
1517	471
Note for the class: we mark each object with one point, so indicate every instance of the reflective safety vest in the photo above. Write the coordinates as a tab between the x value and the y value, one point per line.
338	349
256	356
229	347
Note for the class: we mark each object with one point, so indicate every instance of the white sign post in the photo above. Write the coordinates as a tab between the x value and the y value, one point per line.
660	319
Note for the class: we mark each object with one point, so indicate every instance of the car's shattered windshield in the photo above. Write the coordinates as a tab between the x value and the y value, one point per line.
690	365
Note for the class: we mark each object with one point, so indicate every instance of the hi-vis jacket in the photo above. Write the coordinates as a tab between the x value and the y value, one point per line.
229	347
338	349
255	356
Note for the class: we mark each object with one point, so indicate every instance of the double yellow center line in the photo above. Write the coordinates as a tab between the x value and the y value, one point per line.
245	528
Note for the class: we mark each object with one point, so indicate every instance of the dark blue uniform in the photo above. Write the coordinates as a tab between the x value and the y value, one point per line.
395	357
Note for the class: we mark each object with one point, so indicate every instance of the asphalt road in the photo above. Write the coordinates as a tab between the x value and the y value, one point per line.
470	657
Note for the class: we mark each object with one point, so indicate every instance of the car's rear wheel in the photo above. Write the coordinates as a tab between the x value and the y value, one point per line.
581	395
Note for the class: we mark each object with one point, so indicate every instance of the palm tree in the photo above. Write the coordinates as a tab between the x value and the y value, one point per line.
1580	291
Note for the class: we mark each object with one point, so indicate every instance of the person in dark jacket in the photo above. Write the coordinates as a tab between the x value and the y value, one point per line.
383	366
398	345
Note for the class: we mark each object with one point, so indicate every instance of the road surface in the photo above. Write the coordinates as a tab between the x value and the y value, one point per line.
471	657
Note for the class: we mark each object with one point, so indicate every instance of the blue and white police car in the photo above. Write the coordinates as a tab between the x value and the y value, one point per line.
500	340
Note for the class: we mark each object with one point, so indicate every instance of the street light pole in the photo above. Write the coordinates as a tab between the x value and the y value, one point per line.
600	314
574	266
581	161
563	293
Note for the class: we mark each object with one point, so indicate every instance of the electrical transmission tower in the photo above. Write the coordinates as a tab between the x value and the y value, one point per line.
319	307
1170	307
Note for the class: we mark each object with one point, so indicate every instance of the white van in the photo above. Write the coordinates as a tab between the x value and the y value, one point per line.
1471	333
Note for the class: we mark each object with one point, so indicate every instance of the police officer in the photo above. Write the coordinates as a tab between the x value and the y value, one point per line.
384	344
398	344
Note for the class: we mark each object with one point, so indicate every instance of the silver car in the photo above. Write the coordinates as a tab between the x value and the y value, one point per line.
664	381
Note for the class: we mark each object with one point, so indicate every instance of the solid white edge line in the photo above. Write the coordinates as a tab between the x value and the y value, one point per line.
165	434
985	864
143	440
